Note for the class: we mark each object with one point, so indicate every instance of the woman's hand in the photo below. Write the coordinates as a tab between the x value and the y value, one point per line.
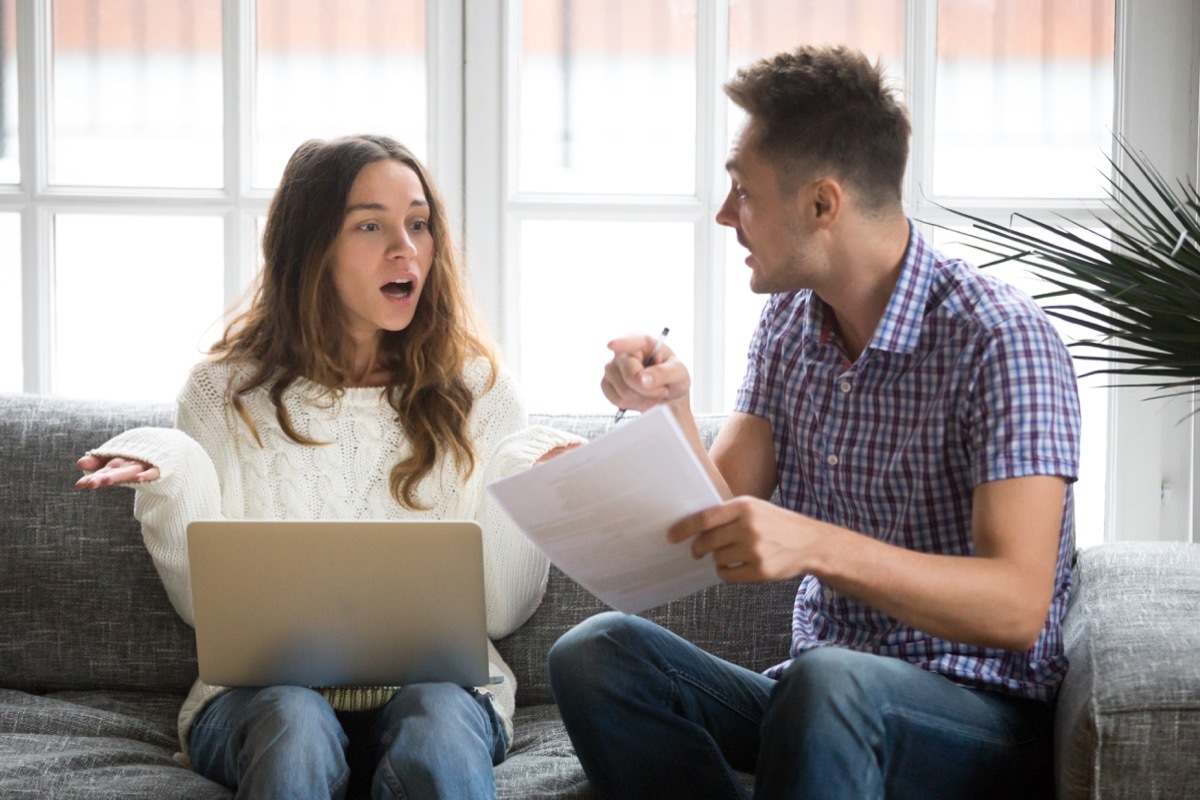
558	451
113	471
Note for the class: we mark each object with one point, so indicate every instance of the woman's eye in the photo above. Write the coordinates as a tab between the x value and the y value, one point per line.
369	226
420	225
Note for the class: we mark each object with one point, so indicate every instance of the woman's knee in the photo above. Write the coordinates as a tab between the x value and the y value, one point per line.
433	700
292	704
296	714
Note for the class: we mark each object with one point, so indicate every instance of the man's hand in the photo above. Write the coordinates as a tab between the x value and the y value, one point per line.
113	471
751	539
629	384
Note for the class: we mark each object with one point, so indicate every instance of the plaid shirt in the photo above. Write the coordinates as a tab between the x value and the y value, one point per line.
965	381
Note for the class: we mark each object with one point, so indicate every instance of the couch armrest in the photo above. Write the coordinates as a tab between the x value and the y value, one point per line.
1128	718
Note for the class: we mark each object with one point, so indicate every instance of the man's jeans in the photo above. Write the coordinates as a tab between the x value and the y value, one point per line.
652	715
432	740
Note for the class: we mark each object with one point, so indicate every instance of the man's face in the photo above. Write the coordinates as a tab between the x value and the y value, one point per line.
769	223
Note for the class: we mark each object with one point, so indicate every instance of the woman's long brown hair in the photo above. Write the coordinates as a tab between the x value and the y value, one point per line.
295	324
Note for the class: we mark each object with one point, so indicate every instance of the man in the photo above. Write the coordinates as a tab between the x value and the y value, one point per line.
921	423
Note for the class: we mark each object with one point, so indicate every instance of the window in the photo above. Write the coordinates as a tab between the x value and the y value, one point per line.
156	134
615	131
616	134
140	142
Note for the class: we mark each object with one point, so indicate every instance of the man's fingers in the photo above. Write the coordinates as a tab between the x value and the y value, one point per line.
706	520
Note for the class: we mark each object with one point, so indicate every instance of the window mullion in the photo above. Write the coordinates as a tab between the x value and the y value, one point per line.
444	71
712	64
485	130
920	68
237	45
37	263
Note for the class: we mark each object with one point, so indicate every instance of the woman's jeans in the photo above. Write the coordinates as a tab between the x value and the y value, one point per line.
653	716
432	740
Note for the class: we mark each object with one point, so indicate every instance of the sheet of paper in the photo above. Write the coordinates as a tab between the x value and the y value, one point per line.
601	512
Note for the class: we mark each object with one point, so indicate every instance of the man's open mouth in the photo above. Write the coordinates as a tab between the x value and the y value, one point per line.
397	288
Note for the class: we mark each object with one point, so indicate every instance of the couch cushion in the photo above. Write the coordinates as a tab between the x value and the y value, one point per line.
541	762
95	745
81	605
1128	718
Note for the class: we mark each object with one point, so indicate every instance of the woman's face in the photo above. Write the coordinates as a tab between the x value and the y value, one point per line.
383	252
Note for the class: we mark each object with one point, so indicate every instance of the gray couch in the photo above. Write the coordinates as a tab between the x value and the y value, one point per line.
94	662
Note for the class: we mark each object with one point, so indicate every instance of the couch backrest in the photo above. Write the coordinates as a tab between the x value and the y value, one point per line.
81	605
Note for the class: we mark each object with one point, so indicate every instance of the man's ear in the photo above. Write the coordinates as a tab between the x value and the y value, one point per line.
827	198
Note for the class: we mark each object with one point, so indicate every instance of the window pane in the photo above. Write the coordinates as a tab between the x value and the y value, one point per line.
328	68
1024	97
9	166
584	283
11	377
138	299
608	96
1093	390
759	28
137	95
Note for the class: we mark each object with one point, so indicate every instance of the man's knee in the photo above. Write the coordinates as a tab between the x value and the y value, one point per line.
594	642
833	683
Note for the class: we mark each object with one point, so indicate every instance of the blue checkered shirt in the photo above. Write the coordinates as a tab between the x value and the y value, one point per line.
964	381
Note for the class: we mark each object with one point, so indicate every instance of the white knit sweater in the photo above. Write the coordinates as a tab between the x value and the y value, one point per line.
212	468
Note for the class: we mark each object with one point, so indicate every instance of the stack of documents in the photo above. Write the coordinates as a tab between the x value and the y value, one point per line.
601	512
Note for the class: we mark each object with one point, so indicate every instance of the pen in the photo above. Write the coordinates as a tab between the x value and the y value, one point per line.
647	361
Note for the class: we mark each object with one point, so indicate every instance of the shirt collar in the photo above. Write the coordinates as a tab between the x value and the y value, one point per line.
899	328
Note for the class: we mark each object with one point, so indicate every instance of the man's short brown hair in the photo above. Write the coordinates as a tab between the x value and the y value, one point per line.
827	110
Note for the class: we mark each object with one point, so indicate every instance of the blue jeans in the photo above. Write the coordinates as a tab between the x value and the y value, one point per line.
432	740
652	715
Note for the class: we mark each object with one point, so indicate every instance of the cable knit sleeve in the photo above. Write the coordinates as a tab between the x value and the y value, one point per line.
187	489
515	571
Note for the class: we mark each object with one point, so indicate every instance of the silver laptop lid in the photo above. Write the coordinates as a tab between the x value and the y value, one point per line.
338	603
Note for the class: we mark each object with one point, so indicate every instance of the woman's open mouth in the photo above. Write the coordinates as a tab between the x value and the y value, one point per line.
397	289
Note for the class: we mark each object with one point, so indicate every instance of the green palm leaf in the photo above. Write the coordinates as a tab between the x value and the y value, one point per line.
1136	288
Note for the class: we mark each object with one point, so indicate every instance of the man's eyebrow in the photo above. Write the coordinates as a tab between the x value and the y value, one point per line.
381	207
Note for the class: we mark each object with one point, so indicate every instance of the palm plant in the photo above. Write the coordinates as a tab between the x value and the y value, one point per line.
1141	278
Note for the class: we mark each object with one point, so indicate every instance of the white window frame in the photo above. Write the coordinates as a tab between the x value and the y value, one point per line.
1154	459
238	203
1153	462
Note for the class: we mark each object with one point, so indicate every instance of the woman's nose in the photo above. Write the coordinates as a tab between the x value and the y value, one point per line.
402	245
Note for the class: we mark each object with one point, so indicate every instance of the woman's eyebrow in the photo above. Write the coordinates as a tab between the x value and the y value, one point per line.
382	207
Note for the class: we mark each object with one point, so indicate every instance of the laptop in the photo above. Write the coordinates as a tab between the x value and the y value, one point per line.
338	603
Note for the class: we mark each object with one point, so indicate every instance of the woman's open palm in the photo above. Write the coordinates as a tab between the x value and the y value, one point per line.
113	471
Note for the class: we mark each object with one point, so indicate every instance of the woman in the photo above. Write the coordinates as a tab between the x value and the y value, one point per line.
356	385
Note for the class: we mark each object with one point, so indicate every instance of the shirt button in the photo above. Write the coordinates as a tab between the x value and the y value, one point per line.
845	386
827	593
832	460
